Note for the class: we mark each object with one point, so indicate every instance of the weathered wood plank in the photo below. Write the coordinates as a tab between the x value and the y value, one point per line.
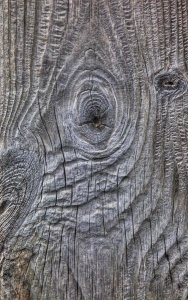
93	149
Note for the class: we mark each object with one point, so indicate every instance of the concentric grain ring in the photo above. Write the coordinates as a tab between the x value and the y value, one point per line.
19	174
96	114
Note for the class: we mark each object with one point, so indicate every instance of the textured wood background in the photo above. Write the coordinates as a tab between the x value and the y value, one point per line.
93	149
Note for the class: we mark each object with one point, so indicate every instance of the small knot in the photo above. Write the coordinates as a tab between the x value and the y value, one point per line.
97	123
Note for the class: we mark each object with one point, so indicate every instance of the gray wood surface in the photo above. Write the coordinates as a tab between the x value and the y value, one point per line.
93	149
